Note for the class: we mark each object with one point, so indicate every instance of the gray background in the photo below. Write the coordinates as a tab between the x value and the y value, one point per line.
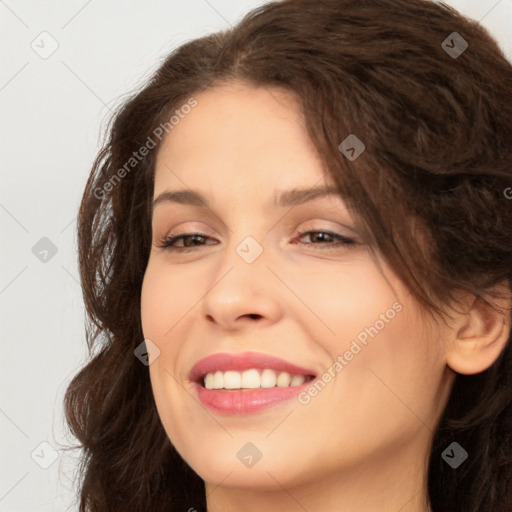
53	110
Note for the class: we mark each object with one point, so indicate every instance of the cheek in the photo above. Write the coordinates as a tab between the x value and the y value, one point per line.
347	300
378	331
165	297
161	309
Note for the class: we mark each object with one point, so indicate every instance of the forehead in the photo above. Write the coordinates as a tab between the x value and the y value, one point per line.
237	131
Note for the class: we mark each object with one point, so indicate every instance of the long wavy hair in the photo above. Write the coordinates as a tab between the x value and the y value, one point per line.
437	130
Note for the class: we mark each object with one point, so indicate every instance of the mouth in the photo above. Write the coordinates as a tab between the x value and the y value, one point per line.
248	382
253	378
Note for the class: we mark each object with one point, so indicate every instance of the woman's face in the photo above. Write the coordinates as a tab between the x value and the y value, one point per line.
251	283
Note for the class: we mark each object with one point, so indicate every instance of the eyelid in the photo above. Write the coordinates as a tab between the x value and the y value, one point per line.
191	228
339	240
167	243
343	240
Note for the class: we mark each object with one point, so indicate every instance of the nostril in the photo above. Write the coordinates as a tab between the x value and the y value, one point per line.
254	316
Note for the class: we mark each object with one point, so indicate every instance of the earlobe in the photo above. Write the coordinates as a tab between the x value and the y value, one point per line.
479	336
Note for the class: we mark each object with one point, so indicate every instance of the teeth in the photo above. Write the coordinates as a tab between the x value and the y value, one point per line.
268	379
283	381
218	380
209	381
297	380
232	380
252	379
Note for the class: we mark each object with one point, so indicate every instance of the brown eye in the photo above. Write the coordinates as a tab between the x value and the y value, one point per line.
190	240
326	241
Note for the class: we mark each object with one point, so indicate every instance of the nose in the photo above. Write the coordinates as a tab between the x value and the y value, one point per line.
242	293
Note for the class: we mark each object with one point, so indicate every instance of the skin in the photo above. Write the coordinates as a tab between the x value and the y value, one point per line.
362	443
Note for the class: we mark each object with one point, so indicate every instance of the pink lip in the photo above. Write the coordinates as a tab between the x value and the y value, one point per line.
247	400
239	362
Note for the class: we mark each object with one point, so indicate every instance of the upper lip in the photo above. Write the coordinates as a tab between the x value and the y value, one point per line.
244	361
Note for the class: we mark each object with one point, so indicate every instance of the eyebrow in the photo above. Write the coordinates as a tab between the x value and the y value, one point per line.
286	198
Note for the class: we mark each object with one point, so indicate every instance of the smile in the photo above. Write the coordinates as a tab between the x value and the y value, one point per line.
246	383
253	379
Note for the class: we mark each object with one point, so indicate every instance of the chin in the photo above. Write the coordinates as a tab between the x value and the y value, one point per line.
269	474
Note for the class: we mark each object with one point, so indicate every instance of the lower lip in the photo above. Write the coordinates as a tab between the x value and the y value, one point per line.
246	401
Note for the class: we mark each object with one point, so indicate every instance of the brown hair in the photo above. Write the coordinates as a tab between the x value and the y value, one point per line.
437	131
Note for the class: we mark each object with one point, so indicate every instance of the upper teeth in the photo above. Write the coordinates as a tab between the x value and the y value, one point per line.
251	379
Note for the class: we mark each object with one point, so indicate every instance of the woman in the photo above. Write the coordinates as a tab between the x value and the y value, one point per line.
295	254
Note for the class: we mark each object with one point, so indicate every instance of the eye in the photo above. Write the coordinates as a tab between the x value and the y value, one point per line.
328	241
189	240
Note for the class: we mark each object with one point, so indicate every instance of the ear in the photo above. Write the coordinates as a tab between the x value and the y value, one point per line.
479	335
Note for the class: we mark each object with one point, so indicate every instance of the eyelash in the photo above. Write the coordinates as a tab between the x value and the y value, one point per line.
167	242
